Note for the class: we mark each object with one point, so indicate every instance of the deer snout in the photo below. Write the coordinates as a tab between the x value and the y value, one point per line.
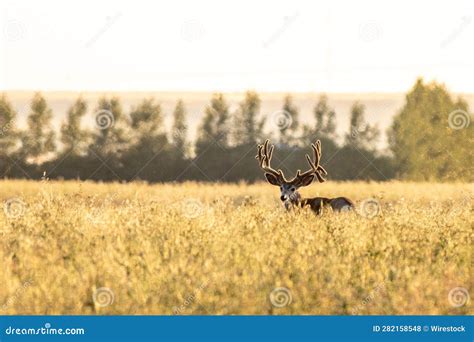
283	198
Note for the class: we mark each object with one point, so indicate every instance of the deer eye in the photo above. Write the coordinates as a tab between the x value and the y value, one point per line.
292	189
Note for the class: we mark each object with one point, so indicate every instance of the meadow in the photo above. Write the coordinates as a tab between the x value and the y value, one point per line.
195	248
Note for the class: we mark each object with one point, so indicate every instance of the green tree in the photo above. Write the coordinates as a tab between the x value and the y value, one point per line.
110	139
215	125
149	148
287	121
38	141
110	134
8	134
8	137
324	128
325	117
361	135
73	137
146	119
179	129
431	137
248	129
212	145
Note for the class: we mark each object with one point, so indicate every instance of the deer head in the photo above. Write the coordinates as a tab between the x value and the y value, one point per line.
289	189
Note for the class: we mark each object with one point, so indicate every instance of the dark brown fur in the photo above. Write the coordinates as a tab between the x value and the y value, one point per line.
336	204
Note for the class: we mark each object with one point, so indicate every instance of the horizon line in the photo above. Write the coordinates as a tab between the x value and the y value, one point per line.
216	91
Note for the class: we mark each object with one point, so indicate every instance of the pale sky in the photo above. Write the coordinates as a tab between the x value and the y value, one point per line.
234	45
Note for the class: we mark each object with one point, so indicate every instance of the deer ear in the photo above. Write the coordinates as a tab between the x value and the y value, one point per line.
271	179
307	180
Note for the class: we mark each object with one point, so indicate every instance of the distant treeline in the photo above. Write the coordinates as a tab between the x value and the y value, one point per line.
430	139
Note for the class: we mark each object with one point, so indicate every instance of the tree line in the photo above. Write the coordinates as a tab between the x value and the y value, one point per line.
136	145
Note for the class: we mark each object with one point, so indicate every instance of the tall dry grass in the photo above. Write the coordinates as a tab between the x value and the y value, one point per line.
85	248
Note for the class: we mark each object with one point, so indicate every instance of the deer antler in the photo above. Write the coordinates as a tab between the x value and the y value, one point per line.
316	169
264	156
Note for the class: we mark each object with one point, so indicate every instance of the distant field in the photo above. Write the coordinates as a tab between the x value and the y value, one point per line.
380	107
84	248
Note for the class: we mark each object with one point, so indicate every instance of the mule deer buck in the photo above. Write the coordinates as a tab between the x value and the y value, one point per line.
289	194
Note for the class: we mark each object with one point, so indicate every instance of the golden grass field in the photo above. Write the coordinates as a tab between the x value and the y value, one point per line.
86	248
